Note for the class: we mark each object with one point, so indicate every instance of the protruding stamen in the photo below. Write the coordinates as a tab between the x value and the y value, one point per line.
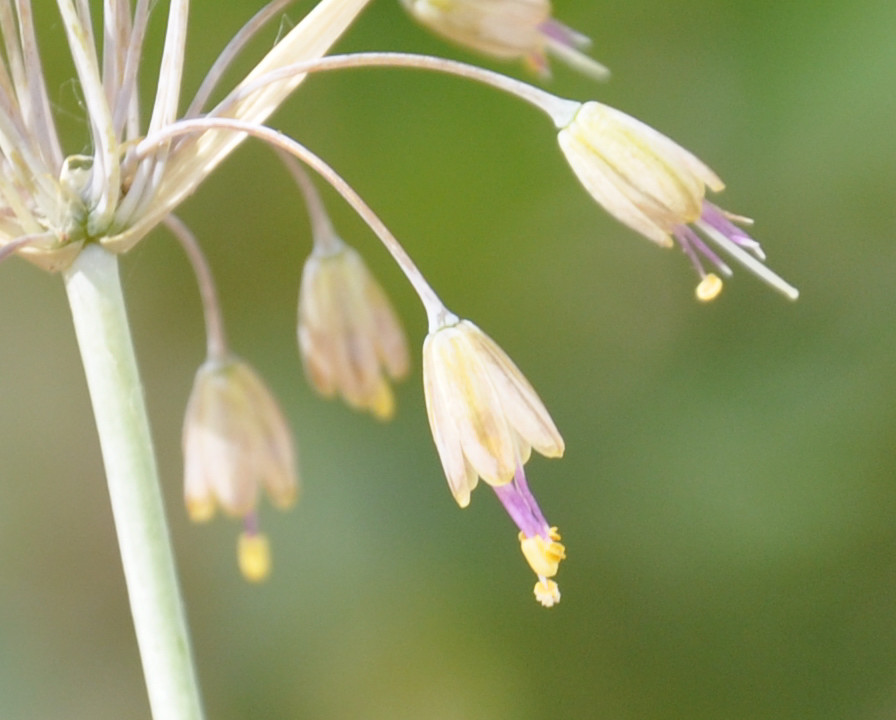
709	288
254	556
750	262
547	592
543	554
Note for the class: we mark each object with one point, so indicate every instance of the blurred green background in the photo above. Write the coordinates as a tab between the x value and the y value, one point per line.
729	492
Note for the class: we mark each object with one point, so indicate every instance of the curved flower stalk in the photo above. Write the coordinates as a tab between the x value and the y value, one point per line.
508	30
236	440
639	175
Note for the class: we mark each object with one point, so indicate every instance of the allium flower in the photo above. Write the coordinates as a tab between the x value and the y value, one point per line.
658	188
254	554
350	338
72	213
485	420
236	441
509	30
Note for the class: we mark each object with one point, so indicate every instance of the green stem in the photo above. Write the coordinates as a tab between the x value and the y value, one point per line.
101	325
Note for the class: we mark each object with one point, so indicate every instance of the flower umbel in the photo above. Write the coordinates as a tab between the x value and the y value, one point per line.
508	30
658	188
485	420
71	213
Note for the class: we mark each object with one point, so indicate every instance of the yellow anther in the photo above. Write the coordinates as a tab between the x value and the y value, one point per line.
201	510
254	556
709	288
382	403
547	592
543	556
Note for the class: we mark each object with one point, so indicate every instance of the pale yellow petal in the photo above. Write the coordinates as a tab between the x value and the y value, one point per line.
524	409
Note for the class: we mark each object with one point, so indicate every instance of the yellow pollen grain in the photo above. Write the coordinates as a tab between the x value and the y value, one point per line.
201	511
547	592
254	556
709	288
382	404
543	556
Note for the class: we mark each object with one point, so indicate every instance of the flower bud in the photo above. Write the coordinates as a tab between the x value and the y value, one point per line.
350	338
235	441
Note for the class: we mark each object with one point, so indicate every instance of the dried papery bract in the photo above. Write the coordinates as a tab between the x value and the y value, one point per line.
350	338
657	188
508	30
485	420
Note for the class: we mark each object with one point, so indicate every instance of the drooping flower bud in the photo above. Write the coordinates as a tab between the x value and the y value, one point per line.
350	338
235	441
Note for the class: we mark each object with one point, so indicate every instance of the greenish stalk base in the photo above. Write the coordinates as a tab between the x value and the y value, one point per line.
101	325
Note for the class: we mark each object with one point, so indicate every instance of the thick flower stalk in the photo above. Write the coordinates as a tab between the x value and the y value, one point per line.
67	213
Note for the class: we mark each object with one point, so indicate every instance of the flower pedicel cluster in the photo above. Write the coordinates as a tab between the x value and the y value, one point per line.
484	415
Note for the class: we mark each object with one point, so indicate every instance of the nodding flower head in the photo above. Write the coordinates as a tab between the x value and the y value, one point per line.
657	188
350	337
485	420
236	441
484	415
509	30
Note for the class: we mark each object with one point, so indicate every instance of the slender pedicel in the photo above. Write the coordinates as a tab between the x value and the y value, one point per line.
230	52
22	242
560	110
106	177
216	338
125	116
322	231
436	311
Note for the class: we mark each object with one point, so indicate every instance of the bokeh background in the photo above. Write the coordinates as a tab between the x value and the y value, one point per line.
729	492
